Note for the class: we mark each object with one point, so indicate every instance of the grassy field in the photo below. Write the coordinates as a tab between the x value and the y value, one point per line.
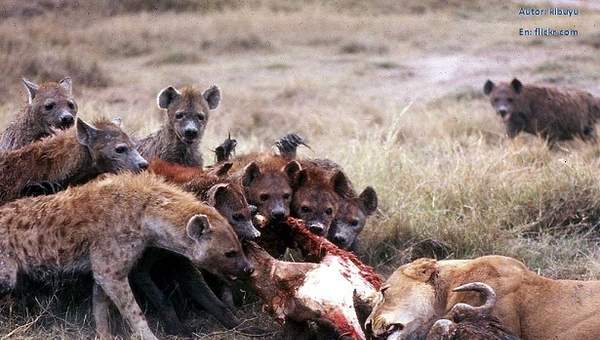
390	91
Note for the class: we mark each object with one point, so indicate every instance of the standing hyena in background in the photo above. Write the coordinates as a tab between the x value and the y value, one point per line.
50	106
73	156
104	227
548	112
178	140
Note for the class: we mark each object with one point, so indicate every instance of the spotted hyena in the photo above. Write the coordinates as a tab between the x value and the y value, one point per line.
178	140
71	157
551	113
160	268
104	227
351	218
267	181
318	194
50	107
323	189
217	189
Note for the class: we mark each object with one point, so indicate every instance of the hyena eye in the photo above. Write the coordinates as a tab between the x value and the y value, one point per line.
329	211
510	100
305	209
201	117
179	115
49	106
231	254
354	223
238	217
71	105
121	148
496	100
286	196
264	197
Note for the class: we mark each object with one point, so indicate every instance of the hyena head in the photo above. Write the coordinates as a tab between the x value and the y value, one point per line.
52	104
188	110
109	147
505	99
230	202
351	218
269	188
316	197
216	248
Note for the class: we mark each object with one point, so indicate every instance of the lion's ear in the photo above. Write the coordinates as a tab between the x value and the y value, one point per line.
421	269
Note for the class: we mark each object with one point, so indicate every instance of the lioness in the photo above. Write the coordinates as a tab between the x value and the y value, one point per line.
529	305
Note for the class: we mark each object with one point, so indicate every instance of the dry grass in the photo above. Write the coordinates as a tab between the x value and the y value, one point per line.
392	92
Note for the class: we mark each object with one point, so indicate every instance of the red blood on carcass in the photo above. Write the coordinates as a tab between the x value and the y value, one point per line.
323	290
316	247
342	324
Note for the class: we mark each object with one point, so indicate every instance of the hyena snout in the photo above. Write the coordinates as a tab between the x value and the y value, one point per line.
317	228
343	239
138	163
340	240
278	214
245	229
143	165
190	133
66	120
275	210
244	269
248	270
248	231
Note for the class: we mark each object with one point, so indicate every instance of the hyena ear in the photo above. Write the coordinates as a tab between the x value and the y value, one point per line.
86	134
217	194
67	84
221	170
516	85
166	97
250	173
31	88
291	169
300	179
197	226
212	96
488	87
341	184
368	199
